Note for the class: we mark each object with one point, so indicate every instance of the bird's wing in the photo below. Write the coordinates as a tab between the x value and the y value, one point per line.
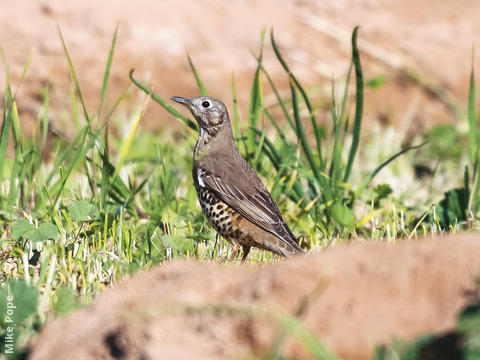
252	202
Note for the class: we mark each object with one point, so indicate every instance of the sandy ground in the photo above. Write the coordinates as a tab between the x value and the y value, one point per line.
434	38
351	297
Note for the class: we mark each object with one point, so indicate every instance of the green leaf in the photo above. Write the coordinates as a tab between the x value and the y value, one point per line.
20	227
469	319
358	105
453	207
44	232
382	191
472	126
5	215
65	301
82	211
18	301
200	85
178	243
342	215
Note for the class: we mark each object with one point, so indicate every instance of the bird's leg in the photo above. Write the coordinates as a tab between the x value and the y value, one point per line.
246	250
236	249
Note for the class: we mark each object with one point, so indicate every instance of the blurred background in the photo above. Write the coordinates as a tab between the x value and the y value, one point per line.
416	54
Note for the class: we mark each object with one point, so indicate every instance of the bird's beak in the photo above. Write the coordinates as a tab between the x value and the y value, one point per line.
181	100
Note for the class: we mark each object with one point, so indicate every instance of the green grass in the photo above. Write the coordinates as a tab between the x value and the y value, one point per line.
103	207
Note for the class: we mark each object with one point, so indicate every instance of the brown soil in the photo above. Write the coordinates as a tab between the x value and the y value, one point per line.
433	37
351	297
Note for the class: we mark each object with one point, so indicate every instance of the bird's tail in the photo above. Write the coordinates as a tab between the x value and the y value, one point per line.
293	249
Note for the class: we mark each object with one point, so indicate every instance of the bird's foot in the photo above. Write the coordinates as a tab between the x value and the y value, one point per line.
236	249
246	250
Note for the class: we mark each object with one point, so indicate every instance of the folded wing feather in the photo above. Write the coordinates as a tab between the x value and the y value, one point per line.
255	205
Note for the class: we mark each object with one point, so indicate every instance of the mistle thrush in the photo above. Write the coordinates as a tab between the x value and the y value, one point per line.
232	196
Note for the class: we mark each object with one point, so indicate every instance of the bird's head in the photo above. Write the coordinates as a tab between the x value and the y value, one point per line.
210	113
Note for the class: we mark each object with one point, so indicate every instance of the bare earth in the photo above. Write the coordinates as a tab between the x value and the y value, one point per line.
432	37
352	298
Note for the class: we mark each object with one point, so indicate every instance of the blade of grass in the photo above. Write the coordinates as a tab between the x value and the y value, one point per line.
65	154
345	92
310	343
127	144
76	115
301	132
333	112
256	103
280	101
276	160
117	102
16	129
24	72
104	187
466	186
316	129
106	75
345	129
370	176
139	187
327	194
473	199
274	122
472	128
200	86
191	124
73	75
236	116
474	203
89	170
6	124
256	157
45	121
15	180
336	161
79	155
358	105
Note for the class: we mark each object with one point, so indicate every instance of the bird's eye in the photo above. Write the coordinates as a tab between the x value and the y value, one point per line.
205	104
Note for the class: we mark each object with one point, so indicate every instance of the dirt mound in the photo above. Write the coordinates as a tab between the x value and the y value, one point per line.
351	297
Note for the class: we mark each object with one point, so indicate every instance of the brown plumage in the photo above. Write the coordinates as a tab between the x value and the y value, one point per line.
233	198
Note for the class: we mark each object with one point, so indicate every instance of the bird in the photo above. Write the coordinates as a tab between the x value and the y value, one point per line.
232	197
